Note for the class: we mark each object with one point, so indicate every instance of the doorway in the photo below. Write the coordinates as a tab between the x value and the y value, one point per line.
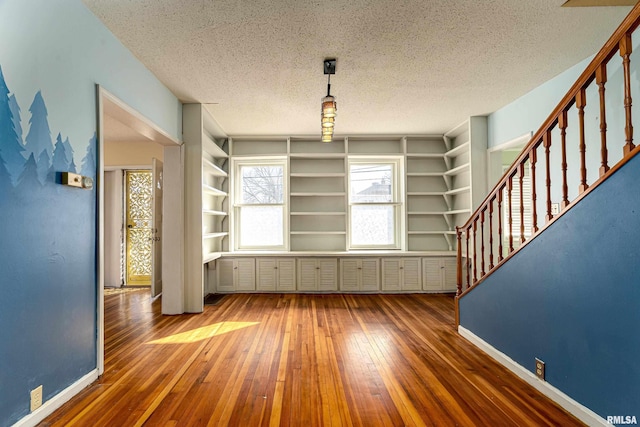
121	126
138	233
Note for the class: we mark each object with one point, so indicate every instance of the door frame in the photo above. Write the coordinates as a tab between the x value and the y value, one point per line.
107	102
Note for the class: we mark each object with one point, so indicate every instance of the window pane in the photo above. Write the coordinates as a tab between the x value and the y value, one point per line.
371	183
372	225
261	226
261	184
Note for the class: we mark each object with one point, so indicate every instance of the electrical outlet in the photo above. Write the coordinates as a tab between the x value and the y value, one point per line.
539	369
36	398
555	208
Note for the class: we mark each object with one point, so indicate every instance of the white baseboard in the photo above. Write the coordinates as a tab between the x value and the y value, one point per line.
57	401
578	410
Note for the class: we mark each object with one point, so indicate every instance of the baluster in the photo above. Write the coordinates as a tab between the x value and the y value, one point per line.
625	53
509	208
521	181
482	273
467	264
581	102
562	124
500	257
534	208
459	266
546	141
601	79
475	245
491	233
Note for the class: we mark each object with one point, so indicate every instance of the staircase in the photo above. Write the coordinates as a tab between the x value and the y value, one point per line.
567	290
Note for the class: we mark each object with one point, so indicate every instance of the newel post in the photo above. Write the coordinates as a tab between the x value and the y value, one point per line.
459	259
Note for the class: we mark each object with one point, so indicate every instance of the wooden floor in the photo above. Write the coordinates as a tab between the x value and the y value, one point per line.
300	360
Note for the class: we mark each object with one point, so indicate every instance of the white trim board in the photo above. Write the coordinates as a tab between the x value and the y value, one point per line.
578	410
57	401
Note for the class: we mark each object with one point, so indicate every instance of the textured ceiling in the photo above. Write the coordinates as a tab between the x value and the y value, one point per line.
403	66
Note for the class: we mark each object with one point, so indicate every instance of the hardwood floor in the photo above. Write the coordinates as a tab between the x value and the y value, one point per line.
300	360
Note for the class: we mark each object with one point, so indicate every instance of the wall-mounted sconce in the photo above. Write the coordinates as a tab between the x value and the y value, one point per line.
74	180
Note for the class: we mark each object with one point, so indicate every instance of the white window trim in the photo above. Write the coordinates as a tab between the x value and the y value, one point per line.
398	194
236	192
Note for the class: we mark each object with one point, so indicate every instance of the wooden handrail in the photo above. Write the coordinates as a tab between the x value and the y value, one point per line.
596	71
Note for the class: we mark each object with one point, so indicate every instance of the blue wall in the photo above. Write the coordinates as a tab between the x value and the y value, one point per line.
52	54
572	298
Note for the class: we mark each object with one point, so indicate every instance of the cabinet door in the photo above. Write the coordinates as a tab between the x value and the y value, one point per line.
267	274
370	277
432	274
307	274
245	274
349	276
391	274
286	274
411	274
328	274
225	275
450	274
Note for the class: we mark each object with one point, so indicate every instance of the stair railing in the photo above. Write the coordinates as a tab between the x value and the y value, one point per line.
488	238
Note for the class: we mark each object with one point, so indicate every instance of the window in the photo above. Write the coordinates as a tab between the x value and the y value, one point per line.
375	208
260	204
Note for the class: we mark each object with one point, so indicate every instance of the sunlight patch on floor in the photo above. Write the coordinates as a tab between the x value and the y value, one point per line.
203	333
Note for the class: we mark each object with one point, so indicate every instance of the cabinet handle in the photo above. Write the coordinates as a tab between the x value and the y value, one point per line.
235	268
275	268
317	268
401	268
359	268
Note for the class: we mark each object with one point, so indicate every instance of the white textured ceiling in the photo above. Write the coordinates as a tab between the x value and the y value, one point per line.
403	66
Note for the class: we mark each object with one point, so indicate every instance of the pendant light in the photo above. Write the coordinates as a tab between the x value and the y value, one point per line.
329	107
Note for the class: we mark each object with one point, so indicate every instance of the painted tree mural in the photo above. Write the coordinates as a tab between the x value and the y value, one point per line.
28	179
39	136
11	146
89	160
43	164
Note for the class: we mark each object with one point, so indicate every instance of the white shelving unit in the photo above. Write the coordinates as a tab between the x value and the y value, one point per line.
318	195
206	162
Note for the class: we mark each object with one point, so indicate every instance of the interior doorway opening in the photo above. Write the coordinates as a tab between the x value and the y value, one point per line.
129	141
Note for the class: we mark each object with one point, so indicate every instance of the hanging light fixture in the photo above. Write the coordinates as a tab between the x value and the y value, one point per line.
329	107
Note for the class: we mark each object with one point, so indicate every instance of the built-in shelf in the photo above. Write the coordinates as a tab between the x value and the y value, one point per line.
316	155
457	170
317	175
211	147
458	150
212	168
216	235
211	256
317	213
213	213
318	194
425	173
426	155
319	232
452	212
427	193
457	191
207	189
432	232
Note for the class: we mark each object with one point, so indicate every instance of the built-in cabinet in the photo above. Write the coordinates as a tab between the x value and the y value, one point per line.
335	274
439	274
359	274
276	274
317	274
236	275
401	274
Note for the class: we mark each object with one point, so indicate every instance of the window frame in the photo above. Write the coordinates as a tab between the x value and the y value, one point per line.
237	205
397	197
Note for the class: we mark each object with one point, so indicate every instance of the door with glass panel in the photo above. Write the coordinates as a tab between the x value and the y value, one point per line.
139	223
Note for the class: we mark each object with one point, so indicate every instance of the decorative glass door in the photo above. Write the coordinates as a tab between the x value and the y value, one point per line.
139	221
